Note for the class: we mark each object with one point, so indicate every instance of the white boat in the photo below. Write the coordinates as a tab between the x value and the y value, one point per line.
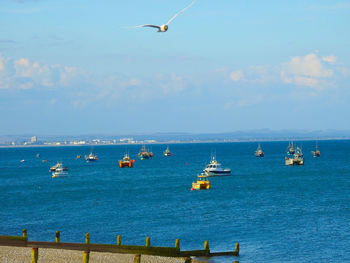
167	152
58	166
215	169
59	172
91	157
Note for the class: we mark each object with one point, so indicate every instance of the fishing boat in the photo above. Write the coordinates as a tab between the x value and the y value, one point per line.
59	172
126	161
259	152
145	153
317	152
290	148
202	183
58	166
91	157
167	152
214	168
298	158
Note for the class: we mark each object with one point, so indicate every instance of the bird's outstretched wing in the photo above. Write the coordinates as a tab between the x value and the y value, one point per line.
155	26
171	19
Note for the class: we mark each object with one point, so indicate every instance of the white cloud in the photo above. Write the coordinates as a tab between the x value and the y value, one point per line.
25	74
306	71
236	75
330	59
2	63
171	84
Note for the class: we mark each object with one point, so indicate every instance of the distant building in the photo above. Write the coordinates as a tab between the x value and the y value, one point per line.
33	139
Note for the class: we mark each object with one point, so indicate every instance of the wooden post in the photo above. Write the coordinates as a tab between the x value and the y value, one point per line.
237	248
35	252
177	244
24	233
148	241
119	240
57	237
206	245
137	259
86	257
87	238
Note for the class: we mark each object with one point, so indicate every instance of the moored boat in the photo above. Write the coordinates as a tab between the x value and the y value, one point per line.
259	152
202	183
91	157
290	148
214	168
317	152
59	172
145	153
58	166
126	161
298	158
167	152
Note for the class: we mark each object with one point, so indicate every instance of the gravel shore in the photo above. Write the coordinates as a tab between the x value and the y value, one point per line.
46	255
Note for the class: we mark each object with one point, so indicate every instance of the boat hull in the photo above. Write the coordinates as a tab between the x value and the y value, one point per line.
201	185
60	174
129	164
214	174
293	161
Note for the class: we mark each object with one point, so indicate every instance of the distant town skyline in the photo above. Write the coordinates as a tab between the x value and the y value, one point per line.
73	67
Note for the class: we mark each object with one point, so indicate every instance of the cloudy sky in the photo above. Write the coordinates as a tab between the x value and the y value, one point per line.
75	67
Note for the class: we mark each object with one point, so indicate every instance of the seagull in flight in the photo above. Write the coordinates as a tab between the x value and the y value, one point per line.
164	28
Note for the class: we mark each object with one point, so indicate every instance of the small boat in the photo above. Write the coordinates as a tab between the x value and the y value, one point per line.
259	152
290	149
44	161
317	152
202	183
22	161
298	158
214	168
58	166
37	155
59	172
167	152
91	157
145	153
126	161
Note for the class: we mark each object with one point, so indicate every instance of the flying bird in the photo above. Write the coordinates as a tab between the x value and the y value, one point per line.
164	28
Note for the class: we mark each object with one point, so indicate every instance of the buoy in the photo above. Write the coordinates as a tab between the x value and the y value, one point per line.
192	189
186	163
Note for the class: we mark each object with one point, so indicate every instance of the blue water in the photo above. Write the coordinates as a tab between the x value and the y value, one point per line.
276	213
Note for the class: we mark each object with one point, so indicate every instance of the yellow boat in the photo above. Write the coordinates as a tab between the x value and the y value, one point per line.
202	183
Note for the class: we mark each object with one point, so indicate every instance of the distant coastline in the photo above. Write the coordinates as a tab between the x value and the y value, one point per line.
176	142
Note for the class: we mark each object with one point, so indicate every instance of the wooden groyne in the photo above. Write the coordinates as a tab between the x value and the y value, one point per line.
87	247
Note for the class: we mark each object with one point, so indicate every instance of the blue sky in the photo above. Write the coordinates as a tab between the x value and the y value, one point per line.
74	67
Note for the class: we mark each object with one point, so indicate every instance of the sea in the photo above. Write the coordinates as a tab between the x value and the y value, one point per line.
277	213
